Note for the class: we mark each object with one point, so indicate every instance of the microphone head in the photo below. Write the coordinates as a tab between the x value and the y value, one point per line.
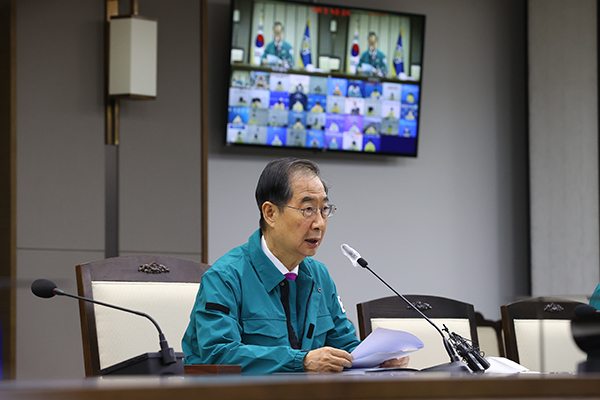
43	288
585	311
352	254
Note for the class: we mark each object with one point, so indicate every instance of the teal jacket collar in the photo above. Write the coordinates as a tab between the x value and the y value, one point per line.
268	273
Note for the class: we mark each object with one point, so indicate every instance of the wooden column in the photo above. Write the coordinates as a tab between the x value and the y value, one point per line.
8	184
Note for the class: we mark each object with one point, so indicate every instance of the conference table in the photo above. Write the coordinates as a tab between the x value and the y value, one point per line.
312	386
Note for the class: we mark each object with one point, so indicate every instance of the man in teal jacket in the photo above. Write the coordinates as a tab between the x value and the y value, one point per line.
373	61
249	310
278	52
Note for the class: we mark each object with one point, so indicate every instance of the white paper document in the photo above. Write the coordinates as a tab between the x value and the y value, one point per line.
384	344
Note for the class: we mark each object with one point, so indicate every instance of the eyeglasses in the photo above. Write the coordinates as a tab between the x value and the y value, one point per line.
310	211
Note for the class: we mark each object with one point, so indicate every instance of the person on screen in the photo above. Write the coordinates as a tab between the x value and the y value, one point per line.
317	125
371	130
370	147
298	124
336	90
253	120
239	138
317	108
298	106
256	103
278	52
406	132
268	305
237	120
333	144
335	109
373	61
276	141
375	94
261	82
279	105
354	91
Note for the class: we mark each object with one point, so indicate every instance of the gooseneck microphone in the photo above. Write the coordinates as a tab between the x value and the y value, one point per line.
46	289
585	311
455	365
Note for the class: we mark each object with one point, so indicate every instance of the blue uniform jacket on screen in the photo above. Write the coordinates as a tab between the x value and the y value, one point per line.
238	317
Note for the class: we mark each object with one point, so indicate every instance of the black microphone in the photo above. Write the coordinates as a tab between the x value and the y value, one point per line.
585	311
454	365
47	289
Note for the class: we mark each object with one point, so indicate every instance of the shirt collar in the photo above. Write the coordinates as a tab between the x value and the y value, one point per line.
275	260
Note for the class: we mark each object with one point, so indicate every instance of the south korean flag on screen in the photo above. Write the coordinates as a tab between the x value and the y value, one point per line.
259	44
354	52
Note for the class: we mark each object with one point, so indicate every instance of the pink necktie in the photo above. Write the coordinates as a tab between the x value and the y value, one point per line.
291	276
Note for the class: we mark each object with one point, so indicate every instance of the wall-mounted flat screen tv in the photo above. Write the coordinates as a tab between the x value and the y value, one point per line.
323	77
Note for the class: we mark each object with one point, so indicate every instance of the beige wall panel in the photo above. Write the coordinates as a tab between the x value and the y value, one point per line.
563	101
48	330
60	125
160	142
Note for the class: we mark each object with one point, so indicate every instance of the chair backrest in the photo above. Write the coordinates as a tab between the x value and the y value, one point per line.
489	333
163	287
393	313
537	334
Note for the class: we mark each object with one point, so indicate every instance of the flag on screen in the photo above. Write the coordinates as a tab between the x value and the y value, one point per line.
398	56
259	44
354	52
305	55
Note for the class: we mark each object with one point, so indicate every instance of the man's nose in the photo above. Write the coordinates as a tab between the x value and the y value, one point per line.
318	221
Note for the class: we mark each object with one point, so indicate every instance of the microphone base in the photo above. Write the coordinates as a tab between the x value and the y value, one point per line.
454	368
146	364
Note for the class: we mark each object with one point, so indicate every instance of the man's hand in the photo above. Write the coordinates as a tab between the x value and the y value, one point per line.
395	363
327	359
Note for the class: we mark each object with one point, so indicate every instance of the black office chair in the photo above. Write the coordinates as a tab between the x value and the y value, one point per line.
393	313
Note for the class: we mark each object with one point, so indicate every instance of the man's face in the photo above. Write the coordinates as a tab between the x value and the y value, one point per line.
278	33
372	43
293	236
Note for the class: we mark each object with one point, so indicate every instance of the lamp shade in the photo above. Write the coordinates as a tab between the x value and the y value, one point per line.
132	57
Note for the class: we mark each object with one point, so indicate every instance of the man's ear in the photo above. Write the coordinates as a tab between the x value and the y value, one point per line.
270	212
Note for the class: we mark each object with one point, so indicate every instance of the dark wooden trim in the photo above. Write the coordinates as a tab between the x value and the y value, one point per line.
313	387
130	96
497	326
204	128
197	369
8	133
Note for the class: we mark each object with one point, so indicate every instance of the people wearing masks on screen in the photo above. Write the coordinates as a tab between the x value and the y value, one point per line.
278	52
373	61
268	305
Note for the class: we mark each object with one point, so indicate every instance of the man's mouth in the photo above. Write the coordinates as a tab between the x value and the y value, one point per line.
312	241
